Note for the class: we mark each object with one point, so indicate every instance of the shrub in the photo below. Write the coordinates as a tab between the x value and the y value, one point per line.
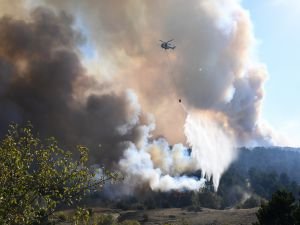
37	177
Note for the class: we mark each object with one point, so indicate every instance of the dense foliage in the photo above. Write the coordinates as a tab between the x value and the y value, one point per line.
280	210
271	159
38	177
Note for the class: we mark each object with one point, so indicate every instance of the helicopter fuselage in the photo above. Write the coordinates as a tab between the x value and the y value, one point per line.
166	45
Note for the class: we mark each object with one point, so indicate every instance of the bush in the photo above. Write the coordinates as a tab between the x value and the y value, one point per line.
62	216
105	220
37	177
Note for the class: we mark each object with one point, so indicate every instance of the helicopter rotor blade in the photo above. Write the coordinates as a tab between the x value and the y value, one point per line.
161	41
170	40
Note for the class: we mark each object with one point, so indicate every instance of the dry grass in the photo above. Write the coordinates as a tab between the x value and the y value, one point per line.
175	216
205	217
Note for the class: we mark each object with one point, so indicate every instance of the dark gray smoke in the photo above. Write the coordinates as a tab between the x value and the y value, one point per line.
43	81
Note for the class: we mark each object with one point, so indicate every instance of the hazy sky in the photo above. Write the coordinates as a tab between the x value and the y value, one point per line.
277	27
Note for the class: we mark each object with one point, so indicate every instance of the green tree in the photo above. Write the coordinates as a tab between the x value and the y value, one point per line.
38	177
281	210
296	214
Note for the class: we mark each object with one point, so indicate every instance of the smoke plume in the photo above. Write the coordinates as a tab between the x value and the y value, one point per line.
92	72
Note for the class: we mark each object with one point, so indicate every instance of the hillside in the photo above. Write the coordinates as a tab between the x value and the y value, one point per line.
271	159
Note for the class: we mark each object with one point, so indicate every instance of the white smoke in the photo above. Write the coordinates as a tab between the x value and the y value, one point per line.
140	169
162	167
159	166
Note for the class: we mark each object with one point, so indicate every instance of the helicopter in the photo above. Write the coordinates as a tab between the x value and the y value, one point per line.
167	45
